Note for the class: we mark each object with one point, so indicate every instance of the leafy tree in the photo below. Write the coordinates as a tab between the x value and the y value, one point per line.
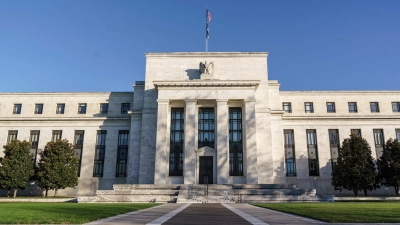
389	165
58	167
355	169
17	167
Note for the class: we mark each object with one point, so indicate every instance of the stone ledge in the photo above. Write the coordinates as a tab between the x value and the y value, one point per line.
38	199
366	199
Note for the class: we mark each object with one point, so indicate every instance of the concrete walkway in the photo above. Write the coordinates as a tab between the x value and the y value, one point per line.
210	214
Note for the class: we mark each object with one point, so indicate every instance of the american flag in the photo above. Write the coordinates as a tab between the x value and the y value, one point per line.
208	17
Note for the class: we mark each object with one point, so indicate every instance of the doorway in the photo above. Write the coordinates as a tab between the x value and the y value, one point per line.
206	169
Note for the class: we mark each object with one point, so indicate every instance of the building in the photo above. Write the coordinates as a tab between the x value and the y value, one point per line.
197	115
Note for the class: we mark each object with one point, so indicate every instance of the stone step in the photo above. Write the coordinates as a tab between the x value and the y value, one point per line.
310	192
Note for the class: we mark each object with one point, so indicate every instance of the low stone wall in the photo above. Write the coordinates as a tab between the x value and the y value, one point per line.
366	199
38	199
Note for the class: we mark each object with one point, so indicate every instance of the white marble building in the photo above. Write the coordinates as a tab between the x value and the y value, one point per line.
227	122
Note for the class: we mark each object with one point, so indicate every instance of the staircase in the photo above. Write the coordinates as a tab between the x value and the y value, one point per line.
212	193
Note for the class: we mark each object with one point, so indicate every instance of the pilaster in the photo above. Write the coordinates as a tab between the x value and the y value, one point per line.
161	163
251	142
222	142
189	168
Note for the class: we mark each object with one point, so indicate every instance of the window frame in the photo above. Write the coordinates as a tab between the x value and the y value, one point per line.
376	110
82	108
397	104
287	104
60	108
355	107
125	110
332	109
38	108
311	105
17	108
102	111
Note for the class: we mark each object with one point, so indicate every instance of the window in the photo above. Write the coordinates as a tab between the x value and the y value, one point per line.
56	135
122	157
330	107
60	108
38	108
356	132
396	106
290	159
312	153
78	146
176	142
353	107
12	135
235	142
379	142
125	107
34	140
398	134
206	127
308	106
99	153
82	108
374	106
17	108
104	108
334	145
287	107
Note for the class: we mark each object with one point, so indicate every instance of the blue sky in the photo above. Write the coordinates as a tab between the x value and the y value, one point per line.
98	45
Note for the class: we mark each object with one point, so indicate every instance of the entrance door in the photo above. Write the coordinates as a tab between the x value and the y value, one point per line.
206	169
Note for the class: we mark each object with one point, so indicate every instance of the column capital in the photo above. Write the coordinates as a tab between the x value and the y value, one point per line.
222	101
249	100
162	101
190	101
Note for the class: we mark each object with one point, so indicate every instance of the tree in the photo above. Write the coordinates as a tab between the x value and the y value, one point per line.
58	167
389	165
355	169
17	167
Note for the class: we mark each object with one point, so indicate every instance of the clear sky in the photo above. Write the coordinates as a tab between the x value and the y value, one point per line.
98	45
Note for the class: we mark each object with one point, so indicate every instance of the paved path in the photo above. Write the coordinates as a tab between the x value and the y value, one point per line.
209	214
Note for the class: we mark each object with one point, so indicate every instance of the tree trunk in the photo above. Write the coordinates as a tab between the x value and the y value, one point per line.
15	192
365	192
8	192
396	189
46	192
355	193
55	192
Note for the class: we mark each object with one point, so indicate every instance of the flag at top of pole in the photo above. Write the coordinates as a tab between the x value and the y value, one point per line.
208	20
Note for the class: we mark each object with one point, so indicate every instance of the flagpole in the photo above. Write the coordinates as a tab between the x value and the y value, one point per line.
206	29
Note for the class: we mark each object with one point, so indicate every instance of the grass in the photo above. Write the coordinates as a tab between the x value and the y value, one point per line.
343	212
63	213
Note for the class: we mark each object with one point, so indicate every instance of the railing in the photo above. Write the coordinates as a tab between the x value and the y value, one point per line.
205	189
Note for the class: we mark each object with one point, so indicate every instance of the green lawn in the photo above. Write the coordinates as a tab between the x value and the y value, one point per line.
62	213
343	212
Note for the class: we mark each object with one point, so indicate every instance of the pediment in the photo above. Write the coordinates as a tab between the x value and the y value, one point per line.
206	149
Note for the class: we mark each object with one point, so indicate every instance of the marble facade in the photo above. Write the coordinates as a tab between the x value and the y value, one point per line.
173	80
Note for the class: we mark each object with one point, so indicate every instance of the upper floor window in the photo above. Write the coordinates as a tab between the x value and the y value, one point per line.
396	106
12	135
330	107
125	107
308	106
38	108
374	106
60	108
104	108
206	127
17	108
287	107
82	108
353	107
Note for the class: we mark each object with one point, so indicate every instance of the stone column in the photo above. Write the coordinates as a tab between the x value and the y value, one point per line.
222	142
251	172
189	168
162	148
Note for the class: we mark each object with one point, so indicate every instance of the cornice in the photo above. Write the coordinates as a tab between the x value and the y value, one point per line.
205	54
340	117
308	93
206	83
29	119
48	94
